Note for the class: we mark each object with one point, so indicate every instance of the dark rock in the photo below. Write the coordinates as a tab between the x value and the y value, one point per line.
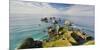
62	33
56	22
30	43
84	33
79	39
89	38
60	29
37	44
50	18
44	19
50	27
63	38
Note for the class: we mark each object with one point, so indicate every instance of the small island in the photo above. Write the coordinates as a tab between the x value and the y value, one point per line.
60	35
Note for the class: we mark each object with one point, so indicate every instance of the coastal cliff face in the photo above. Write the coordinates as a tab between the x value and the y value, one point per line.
59	36
67	37
30	43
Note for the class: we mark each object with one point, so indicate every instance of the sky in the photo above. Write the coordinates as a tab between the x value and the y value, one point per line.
40	8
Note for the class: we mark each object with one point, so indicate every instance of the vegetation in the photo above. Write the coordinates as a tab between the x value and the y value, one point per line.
60	36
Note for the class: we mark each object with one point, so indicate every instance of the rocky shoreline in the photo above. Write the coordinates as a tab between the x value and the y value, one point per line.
59	36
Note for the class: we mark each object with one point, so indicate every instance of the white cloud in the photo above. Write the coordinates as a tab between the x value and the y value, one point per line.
18	7
80	10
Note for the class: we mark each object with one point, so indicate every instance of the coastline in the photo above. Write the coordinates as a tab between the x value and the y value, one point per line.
59	36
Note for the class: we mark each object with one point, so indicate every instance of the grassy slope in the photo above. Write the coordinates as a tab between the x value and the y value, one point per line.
59	42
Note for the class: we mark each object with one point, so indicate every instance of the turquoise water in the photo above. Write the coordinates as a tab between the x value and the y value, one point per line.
23	26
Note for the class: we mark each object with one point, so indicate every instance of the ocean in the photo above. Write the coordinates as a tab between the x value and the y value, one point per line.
24	26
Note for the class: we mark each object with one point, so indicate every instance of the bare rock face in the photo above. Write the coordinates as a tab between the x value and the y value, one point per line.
59	36
37	44
30	43
79	39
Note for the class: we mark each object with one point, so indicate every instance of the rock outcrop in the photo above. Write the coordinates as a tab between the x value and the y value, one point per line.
60	36
30	43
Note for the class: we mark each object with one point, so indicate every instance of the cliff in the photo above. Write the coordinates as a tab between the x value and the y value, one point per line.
59	36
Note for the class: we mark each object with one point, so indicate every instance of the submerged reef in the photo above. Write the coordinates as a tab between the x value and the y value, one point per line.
59	36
